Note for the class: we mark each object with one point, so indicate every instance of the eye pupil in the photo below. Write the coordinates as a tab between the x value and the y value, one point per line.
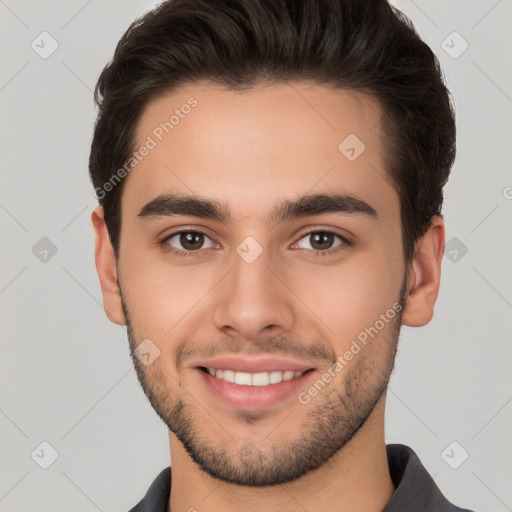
187	240
320	239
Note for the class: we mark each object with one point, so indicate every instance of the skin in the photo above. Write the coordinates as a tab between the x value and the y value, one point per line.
251	150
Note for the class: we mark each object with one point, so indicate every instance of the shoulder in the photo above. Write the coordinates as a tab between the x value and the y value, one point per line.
157	496
415	489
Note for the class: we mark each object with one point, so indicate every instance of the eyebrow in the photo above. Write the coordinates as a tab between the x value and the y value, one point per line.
167	205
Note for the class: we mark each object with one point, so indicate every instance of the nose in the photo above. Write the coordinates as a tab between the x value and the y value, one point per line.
254	301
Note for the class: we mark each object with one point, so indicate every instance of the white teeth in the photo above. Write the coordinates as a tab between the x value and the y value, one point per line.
260	379
276	377
243	378
254	379
228	375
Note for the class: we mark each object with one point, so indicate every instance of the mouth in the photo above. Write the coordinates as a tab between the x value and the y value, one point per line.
253	390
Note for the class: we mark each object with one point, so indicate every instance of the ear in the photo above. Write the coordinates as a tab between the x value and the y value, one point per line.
106	268
424	275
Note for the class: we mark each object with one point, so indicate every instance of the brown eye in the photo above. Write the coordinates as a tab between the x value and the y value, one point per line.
187	241
322	240
191	241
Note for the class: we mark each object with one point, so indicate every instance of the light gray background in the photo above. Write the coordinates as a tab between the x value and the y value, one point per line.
66	375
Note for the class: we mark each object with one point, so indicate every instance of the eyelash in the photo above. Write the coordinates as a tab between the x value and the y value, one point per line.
315	253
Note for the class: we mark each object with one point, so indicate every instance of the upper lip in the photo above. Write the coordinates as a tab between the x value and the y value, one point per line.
253	364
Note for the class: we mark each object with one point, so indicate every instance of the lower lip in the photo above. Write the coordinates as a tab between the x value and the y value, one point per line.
254	397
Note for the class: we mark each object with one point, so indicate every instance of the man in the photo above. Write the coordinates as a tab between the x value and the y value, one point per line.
270	178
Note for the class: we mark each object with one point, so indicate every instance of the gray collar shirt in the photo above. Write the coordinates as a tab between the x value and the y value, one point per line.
415	489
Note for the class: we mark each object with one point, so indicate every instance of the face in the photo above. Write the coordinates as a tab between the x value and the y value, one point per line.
239	272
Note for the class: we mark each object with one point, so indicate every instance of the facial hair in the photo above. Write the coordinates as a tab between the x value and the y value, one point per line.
334	417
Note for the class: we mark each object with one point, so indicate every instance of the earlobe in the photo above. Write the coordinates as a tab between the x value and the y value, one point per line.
107	270
425	275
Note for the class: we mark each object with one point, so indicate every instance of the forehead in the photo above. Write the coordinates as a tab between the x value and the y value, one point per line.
250	148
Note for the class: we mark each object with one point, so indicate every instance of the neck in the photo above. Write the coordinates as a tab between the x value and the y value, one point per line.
355	479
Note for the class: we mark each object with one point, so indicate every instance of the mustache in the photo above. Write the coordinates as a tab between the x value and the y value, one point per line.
316	351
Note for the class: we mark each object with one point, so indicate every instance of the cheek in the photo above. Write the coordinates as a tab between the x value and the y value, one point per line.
352	297
159	295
